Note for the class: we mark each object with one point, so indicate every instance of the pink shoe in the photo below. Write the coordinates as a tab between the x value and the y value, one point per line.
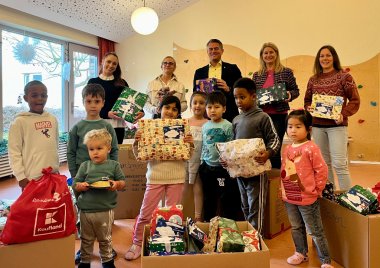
327	265
133	253
297	258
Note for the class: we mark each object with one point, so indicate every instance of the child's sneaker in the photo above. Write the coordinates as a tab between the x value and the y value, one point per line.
297	258
327	265
133	253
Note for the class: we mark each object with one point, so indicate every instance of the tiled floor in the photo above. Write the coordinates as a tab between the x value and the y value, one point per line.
280	247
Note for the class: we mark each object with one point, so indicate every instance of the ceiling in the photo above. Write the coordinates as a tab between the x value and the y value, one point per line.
109	19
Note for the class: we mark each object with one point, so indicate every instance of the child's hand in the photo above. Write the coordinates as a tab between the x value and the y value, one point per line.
23	183
114	185
262	157
81	186
138	135
223	163
189	138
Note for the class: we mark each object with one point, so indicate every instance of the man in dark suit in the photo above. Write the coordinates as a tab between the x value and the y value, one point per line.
225	73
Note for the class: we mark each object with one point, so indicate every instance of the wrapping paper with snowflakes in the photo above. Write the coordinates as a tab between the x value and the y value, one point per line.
271	94
129	103
163	139
325	106
239	156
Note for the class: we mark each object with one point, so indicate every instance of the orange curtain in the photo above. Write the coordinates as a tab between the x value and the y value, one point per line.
104	47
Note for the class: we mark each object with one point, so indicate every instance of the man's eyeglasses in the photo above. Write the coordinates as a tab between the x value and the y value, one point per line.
167	63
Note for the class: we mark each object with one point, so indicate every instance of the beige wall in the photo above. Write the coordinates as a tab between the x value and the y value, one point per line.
11	17
298	27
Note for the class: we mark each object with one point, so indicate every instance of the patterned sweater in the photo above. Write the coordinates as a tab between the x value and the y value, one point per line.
303	173
334	83
285	76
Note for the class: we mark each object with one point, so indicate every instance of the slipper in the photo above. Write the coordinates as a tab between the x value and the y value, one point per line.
133	253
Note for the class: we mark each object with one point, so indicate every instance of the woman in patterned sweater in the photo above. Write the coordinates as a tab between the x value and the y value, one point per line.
272	72
331	135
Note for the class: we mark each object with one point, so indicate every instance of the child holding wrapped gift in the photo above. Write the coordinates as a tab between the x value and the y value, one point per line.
253	123
220	192
97	197
162	177
303	178
198	106
33	137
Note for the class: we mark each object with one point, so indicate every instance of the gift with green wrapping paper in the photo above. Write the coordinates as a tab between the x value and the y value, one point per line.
359	199
229	240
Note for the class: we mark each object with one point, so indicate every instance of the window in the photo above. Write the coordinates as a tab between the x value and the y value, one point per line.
25	57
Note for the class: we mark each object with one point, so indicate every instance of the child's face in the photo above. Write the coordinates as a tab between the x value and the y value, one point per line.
93	105
243	99
36	98
296	130
169	111
98	151
198	105
215	111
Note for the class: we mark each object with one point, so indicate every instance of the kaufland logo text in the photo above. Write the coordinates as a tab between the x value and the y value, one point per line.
50	220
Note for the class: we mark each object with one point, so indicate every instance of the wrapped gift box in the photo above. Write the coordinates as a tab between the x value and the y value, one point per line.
240	154
162	139
359	199
160	245
206	85
196	235
271	94
172	214
325	106
251	241
129	103
230	241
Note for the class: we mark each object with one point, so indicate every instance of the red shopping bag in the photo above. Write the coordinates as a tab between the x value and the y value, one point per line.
44	210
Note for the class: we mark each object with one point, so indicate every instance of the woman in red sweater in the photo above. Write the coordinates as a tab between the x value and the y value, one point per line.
331	135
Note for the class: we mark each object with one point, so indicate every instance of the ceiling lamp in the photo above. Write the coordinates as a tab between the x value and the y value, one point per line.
144	20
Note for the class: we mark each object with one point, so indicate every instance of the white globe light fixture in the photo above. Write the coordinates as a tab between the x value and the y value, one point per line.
144	20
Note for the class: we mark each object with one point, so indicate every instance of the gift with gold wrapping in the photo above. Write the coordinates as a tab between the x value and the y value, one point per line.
212	235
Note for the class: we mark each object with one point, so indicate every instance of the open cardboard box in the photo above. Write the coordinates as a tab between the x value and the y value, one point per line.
129	201
276	217
42	254
216	260
354	239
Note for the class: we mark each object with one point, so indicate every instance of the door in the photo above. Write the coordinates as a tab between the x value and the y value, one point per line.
83	65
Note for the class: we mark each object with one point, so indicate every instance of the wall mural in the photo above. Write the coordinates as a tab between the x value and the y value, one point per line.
364	126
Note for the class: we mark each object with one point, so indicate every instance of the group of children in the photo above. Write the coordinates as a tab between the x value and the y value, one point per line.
92	142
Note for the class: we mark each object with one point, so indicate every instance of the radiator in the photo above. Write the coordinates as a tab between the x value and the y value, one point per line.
5	169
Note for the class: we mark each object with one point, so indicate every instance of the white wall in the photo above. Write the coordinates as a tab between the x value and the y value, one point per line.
298	27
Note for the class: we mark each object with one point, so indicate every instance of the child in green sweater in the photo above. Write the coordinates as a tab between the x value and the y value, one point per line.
96	182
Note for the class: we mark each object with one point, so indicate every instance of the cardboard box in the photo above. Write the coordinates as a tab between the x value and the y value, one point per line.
215	260
42	254
129	201
354	239
276	217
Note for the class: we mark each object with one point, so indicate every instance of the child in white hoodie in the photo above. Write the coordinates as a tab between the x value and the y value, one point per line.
33	137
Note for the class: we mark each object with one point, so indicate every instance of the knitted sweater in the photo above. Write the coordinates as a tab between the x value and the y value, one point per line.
166	172
97	200
303	173
334	83
155	85
77	152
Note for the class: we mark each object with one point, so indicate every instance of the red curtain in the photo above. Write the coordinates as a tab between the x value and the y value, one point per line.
104	47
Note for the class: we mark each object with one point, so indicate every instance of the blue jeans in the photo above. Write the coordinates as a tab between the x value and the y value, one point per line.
253	195
308	218
333	144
